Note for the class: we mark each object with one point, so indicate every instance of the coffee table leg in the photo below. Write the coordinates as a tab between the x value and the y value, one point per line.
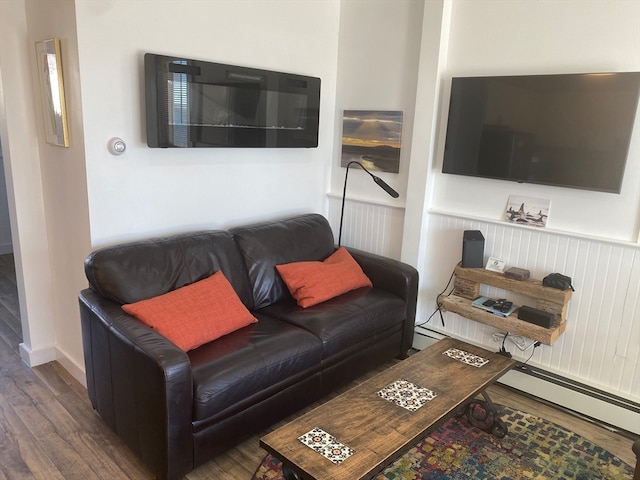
484	415
499	429
289	474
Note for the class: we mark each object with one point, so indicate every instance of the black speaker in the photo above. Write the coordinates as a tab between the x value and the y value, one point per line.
472	249
538	317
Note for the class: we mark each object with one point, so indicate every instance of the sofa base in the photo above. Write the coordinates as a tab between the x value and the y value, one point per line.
258	417
357	363
227	433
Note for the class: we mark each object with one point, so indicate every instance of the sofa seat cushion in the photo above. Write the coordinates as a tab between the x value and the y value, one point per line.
345	320
248	365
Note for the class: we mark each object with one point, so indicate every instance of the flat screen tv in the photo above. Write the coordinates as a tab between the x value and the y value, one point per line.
569	130
193	103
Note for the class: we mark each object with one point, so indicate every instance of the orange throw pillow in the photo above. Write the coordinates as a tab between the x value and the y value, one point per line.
195	314
311	283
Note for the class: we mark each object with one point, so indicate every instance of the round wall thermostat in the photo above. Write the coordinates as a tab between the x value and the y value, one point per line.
116	146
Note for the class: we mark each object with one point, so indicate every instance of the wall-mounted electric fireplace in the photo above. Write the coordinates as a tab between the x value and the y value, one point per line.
191	103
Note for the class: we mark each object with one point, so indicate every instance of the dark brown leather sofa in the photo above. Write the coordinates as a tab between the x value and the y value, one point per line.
176	409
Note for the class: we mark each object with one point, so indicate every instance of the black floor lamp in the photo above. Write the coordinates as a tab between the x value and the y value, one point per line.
384	185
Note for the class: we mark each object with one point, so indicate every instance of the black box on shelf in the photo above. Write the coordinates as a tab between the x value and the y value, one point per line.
535	316
517	273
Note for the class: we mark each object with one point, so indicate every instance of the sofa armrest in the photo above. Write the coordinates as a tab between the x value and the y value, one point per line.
396	277
140	384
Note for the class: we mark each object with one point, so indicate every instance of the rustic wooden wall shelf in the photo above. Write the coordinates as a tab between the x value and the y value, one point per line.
467	288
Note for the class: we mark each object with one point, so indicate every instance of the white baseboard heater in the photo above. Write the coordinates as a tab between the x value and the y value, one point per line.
610	411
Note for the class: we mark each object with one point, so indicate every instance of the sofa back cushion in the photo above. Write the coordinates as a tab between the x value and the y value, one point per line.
265	245
143	269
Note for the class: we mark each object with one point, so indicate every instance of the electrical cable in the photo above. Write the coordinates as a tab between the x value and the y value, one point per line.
438	304
503	350
519	341
428	319
535	345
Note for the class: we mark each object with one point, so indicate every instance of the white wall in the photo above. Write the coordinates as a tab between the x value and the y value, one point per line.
64	186
490	37
155	191
67	201
24	183
46	185
377	70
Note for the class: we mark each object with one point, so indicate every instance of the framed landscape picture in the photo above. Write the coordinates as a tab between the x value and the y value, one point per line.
373	138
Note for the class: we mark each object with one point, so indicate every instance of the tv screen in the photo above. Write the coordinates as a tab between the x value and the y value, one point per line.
570	130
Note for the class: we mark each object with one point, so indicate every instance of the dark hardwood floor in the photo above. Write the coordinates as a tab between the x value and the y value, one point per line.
10	328
48	429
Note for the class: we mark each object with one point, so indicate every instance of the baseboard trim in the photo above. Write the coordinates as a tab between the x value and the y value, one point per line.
614	413
33	358
76	371
610	415
37	357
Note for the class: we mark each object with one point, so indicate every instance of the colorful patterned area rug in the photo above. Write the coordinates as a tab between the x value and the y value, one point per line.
533	449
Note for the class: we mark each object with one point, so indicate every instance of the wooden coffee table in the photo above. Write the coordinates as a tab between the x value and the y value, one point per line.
371	429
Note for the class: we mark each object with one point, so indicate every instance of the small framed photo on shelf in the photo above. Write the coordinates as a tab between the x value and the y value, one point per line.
495	265
528	211
52	92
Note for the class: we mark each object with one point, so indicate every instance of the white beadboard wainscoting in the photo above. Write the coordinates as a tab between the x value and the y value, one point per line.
370	226
600	349
593	368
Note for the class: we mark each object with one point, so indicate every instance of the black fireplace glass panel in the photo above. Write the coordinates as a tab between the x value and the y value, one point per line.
192	103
